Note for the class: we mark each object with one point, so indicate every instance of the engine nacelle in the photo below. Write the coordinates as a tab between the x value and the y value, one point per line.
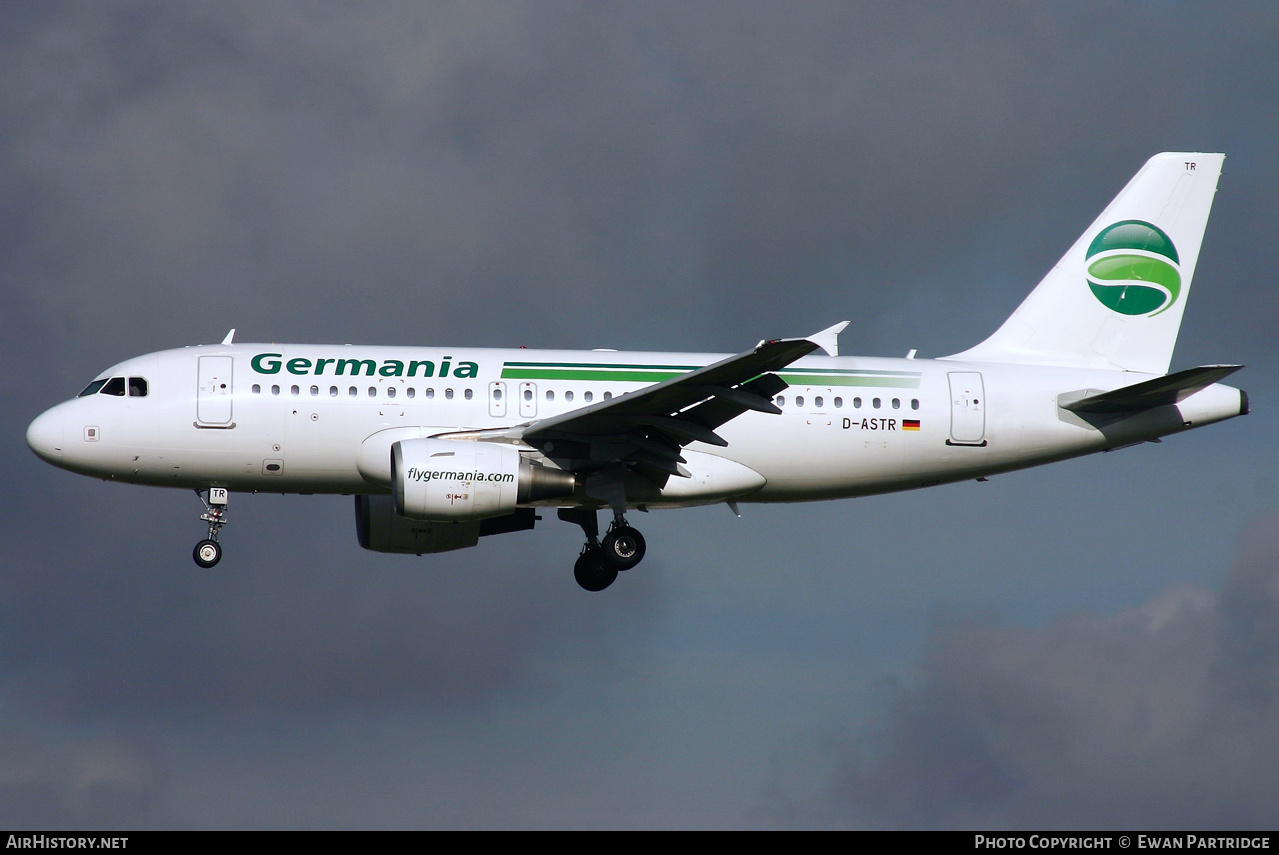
380	529
449	480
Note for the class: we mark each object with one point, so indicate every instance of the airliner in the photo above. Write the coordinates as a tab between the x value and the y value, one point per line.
441	446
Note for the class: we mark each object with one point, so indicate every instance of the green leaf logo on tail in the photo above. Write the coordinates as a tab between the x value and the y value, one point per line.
1133	268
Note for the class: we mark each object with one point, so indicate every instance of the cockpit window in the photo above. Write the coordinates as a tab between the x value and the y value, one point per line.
135	387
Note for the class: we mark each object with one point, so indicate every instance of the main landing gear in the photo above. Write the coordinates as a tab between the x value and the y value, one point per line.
601	560
208	551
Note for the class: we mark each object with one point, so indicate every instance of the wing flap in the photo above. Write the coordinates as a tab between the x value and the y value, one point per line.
742	397
717	411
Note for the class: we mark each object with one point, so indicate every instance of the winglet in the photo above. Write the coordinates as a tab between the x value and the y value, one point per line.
230	337
828	339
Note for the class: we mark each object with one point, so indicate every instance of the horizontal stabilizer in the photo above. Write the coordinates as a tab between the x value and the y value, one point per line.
1159	392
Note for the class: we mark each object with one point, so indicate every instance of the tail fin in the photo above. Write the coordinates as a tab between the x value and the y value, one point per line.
1115	300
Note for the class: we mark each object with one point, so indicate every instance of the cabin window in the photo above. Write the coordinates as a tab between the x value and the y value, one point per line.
528	394
817	402
607	395
781	400
430	393
115	386
839	403
914	403
315	391
467	394
295	391
550	396
390	391
897	403
352	392
497	394
799	400
411	392
333	391
875	403
372	391
275	390
857	403
137	387
587	396
448	393
257	389
92	388
568	396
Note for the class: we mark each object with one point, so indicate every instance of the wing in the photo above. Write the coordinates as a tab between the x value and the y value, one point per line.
645	430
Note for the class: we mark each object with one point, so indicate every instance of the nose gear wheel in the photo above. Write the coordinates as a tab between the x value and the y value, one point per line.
208	552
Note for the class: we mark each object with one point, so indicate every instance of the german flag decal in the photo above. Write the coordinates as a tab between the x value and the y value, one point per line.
910	424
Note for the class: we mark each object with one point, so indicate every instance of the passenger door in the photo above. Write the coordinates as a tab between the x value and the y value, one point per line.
214	392
967	409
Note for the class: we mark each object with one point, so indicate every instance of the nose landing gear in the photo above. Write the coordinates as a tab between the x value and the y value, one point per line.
208	552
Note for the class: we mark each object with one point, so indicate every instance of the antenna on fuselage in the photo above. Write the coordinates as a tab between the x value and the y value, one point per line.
230	337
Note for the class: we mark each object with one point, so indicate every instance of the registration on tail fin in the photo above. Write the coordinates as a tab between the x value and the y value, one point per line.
1116	298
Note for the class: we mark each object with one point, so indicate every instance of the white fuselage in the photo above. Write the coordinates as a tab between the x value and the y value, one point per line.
297	418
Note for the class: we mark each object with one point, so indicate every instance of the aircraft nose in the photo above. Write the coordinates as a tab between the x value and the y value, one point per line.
45	436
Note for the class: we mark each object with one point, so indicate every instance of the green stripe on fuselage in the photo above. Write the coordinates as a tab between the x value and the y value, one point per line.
631	365
632	373
615	375
882	380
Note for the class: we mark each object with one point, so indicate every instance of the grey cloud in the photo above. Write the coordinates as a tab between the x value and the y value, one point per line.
56	780
639	175
1161	716
303	174
300	622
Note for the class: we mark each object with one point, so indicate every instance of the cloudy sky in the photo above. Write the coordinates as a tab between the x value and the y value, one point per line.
1092	644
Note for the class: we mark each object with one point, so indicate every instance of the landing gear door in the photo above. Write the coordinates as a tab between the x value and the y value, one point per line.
967	409
213	396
